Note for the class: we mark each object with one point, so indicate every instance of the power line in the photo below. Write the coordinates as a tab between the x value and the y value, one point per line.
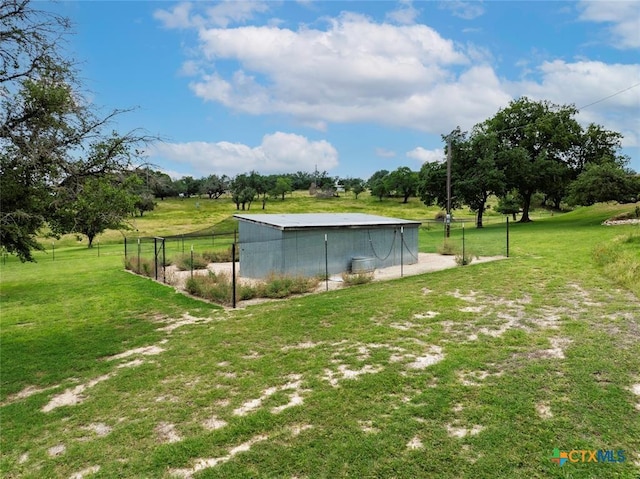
610	96
517	127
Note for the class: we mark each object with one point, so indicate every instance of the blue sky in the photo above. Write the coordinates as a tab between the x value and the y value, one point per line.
347	87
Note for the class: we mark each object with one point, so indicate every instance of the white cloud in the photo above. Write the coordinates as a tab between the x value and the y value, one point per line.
221	14
406	76
423	155
405	14
178	17
355	71
464	10
585	82
278	153
623	16
189	68
384	153
233	11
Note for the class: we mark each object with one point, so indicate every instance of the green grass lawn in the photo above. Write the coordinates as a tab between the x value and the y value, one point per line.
476	372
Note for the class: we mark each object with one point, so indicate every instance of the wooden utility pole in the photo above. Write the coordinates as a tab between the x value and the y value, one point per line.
448	217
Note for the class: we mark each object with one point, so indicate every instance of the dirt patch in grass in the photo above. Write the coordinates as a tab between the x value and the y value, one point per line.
635	389
345	373
367	427
470	297
202	464
556	351
460	432
295	398
213	423
185	320
166	433
475	378
143	351
85	472
298	429
494	316
100	429
56	450
73	396
422	362
415	444
25	393
304	345
544	410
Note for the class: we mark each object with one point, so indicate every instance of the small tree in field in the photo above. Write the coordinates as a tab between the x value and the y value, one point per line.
144	202
357	187
100	204
509	205
282	187
403	182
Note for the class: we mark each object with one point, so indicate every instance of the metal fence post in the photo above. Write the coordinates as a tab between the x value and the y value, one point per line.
326	263
138	255
402	251
507	236
164	262
155	258
233	274
464	260
125	248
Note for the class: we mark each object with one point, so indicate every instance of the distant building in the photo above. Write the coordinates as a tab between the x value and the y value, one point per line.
295	244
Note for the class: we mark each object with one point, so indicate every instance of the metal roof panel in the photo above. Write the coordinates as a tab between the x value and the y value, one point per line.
323	220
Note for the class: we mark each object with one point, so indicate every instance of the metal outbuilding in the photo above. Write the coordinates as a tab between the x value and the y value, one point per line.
313	244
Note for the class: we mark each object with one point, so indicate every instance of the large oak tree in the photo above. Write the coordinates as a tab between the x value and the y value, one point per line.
535	141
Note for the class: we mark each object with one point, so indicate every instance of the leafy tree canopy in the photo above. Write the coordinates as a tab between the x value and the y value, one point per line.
52	140
604	182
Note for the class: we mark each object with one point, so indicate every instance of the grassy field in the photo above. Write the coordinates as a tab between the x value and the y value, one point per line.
475	372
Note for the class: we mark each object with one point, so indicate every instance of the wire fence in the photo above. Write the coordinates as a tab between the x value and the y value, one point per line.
462	237
150	256
317	253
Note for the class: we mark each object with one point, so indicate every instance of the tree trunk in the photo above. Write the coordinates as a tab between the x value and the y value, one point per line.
481	211
525	208
91	236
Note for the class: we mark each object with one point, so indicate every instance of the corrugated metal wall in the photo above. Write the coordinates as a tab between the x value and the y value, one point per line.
267	250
